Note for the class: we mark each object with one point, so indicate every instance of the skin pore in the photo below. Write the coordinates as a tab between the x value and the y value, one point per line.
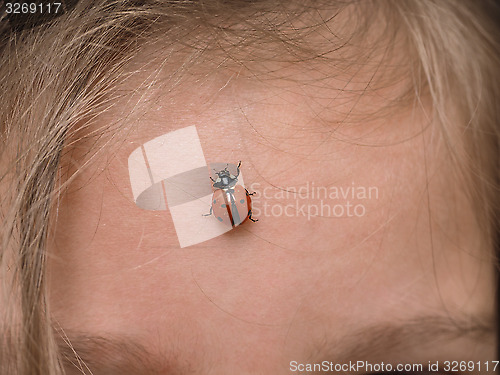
406	282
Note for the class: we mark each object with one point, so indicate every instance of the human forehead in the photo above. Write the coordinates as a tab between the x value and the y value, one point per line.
299	123
297	277
261	122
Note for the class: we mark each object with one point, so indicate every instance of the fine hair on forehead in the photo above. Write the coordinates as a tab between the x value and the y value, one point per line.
57	77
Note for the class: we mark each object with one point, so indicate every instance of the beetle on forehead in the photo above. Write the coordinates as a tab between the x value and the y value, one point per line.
231	203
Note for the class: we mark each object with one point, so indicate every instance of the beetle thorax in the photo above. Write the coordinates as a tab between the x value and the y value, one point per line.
225	180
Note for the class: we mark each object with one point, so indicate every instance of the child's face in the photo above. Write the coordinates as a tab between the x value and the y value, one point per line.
399	279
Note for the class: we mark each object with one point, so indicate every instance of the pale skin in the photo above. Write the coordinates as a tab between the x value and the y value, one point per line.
286	288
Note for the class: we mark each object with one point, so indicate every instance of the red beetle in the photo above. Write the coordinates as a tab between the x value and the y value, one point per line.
231	203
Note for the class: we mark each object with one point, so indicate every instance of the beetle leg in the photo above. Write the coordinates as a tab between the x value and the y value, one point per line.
249	193
238	169
250	216
210	212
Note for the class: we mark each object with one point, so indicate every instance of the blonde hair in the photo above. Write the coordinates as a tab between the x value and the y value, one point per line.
59	76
